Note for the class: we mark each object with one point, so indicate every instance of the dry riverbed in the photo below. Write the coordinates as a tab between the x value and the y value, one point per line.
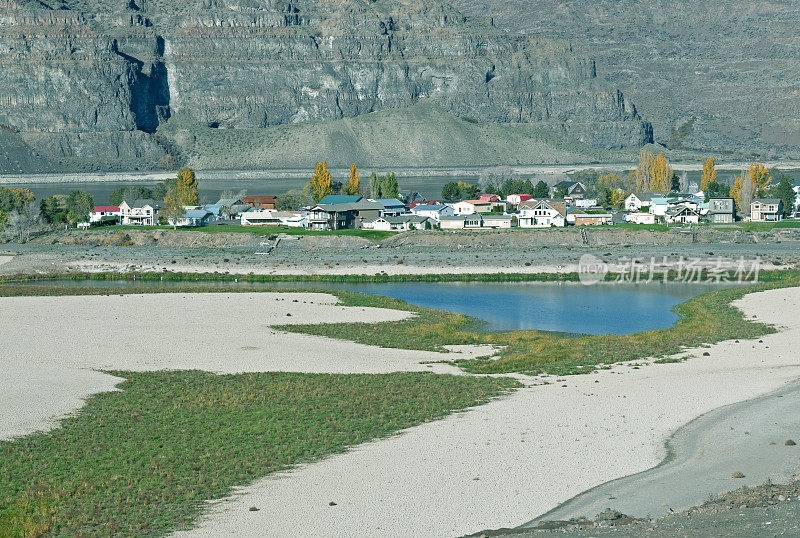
497	465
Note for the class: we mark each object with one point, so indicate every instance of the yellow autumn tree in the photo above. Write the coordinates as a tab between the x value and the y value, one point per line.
660	174
759	175
736	191
743	191
642	176
187	187
609	181
617	197
321	182
352	181
709	175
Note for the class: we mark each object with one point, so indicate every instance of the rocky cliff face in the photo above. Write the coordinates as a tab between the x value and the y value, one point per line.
719	75
92	80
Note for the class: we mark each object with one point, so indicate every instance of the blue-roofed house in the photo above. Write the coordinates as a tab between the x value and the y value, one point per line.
341	199
392	206
214	209
194	217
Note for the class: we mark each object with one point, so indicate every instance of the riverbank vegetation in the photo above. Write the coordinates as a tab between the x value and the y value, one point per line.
705	319
168	276
142	460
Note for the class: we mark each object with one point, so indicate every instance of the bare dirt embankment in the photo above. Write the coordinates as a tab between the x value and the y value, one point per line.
515	238
417	252
595	236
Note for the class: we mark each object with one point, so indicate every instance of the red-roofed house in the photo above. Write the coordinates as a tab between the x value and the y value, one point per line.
470	207
260	202
489	198
516	199
425	202
99	211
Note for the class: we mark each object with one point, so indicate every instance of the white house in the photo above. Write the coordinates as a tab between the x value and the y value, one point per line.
796	208
766	210
397	224
457	222
433	211
104	213
470	207
497	221
142	212
659	206
585	203
636	200
272	217
571	212
542	214
641	218
516	199
683	214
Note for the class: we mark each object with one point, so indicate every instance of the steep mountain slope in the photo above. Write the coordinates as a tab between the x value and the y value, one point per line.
719	74
422	135
92	81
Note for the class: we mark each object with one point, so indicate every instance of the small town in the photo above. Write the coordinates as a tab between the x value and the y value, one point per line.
337	206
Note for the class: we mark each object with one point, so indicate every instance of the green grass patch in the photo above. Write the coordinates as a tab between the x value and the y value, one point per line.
142	460
767	226
708	318
374	235
167	276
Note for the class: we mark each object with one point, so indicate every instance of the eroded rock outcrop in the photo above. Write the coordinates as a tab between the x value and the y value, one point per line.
94	79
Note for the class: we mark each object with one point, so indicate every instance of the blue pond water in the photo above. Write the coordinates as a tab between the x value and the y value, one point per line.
573	308
505	306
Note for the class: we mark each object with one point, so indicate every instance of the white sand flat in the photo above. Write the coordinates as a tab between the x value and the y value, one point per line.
497	465
503	463
50	345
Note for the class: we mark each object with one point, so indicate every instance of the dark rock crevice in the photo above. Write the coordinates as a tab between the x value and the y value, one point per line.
149	88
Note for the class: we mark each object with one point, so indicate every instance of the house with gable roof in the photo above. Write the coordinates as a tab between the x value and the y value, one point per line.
542	214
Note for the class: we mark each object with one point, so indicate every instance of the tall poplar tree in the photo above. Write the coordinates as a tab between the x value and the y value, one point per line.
709	175
321	182
352	186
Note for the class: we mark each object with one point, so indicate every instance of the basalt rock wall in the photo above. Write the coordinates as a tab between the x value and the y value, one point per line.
95	79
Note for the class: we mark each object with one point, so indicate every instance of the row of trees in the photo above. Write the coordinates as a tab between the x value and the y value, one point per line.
20	213
653	173
322	184
459	190
13	199
62	208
